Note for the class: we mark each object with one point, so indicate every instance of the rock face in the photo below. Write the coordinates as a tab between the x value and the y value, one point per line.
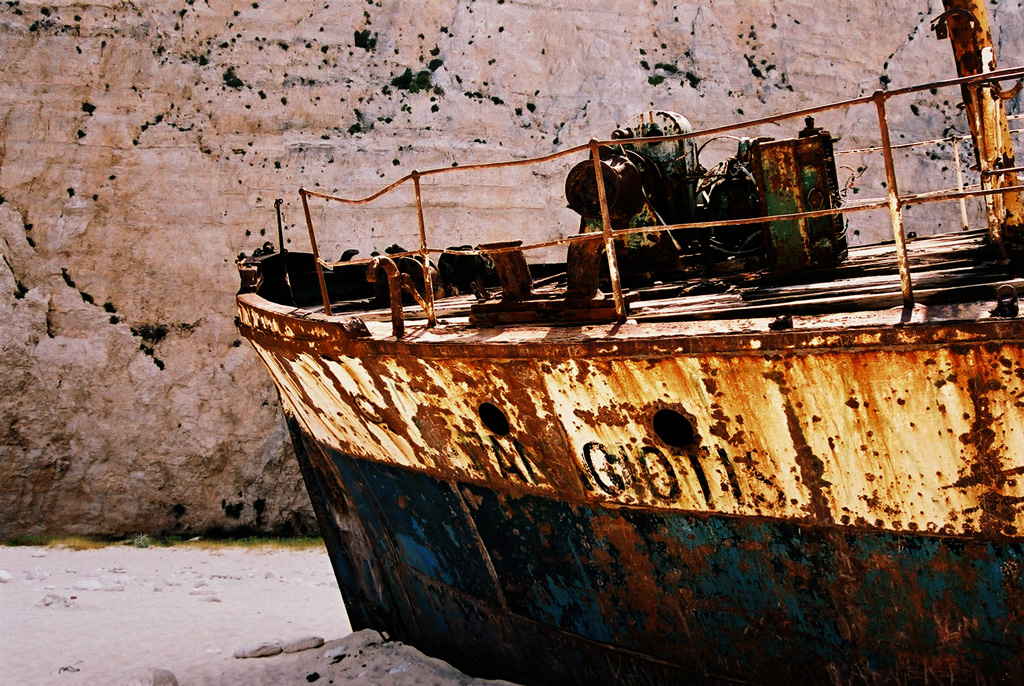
142	146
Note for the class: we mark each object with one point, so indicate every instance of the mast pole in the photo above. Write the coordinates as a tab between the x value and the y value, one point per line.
967	26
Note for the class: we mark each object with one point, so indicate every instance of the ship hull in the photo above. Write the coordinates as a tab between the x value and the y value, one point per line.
845	511
540	590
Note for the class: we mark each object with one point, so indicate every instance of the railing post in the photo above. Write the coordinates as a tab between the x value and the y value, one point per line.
984	155
895	204
394	278
609	240
964	223
316	253
428	283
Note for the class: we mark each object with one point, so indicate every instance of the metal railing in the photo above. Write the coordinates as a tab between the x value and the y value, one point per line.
894	202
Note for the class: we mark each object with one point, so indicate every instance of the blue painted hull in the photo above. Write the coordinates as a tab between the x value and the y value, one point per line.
539	590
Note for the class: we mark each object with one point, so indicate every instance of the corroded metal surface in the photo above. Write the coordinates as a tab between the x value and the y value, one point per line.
905	436
671	502
546	591
967	24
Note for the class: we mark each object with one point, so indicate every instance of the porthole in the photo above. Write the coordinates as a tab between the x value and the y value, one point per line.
673	428
494	419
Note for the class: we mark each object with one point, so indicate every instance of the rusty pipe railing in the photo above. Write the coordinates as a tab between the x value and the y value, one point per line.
394	279
863	206
999	75
303	193
606	230
964	221
894	201
428	284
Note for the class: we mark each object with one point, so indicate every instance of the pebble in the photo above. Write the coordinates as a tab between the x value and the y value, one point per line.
304	643
5	576
36	574
210	599
38	553
264	649
149	676
97	585
203	591
53	599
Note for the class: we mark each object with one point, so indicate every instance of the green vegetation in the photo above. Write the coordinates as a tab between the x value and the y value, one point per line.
73	542
414	83
364	40
231	79
294	543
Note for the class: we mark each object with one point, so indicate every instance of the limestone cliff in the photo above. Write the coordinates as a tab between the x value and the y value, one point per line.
142	145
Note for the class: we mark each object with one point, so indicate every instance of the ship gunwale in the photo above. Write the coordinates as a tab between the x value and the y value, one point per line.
318	334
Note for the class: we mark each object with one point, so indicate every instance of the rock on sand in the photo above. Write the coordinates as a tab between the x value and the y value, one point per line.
304	643
150	676
263	649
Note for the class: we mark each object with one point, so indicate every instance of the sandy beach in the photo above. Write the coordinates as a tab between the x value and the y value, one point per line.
113	615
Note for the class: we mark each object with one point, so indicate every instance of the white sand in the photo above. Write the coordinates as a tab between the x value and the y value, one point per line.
94	616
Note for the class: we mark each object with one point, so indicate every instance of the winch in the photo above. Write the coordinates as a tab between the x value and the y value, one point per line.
663	184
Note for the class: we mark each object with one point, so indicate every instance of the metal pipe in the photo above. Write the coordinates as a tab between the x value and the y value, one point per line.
900	202
922	198
316	254
282	250
428	283
1004	170
394	290
280	225
899	146
606	228
895	207
984	156
964	224
911	199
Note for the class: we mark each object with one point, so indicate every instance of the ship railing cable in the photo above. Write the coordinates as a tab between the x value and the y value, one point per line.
904	146
894	201
917	144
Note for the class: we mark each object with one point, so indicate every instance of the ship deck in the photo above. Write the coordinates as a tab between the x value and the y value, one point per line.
954	276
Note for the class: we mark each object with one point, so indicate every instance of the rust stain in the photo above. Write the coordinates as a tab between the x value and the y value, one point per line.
751	451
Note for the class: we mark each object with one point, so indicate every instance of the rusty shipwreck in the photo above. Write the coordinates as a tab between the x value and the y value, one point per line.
718	443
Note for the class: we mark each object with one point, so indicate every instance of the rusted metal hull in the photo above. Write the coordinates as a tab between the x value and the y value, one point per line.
845	511
591	594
